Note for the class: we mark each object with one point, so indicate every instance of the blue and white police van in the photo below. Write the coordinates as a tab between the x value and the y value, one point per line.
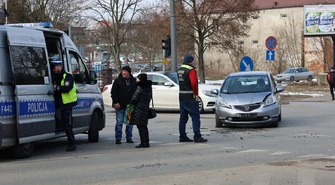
27	106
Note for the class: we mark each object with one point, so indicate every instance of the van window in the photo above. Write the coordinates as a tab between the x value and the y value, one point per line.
78	68
30	65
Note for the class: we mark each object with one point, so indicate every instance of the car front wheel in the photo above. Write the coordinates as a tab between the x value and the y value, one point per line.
201	105
310	78
292	78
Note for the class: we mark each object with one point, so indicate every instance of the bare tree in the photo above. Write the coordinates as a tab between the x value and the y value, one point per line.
321	48
289	34
204	17
114	17
61	13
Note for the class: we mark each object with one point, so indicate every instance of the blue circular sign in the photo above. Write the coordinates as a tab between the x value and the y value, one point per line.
246	64
271	43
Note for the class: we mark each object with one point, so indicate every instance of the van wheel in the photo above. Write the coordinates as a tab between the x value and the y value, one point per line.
218	123
279	117
93	132
23	151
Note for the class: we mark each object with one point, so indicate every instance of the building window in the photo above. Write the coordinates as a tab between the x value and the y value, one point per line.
255	41
255	16
283	16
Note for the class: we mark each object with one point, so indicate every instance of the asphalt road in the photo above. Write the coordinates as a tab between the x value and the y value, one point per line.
300	151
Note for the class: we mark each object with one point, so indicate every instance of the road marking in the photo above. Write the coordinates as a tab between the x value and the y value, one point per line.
306	177
312	156
317	135
252	151
262	178
280	153
171	144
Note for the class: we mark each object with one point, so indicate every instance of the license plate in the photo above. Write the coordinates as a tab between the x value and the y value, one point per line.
247	115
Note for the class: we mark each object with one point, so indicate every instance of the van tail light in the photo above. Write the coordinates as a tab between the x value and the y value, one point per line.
104	89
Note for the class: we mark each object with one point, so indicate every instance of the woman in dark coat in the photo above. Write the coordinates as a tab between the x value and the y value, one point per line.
141	101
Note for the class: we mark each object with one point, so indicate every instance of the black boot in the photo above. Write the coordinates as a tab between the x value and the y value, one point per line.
332	97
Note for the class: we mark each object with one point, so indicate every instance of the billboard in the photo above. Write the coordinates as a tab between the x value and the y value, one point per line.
319	20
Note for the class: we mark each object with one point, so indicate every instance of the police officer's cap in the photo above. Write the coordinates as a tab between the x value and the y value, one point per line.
55	61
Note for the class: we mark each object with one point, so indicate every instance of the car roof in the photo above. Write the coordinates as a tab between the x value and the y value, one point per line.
250	73
158	72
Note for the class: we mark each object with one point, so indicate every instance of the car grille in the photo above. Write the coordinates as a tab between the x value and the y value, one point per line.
248	108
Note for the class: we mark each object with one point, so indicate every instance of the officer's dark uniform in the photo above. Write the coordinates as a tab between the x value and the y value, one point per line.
65	98
331	81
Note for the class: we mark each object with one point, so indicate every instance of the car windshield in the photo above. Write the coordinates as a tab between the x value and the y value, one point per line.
291	70
173	77
246	84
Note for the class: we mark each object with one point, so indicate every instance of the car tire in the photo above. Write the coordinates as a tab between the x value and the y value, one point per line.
22	151
292	78
201	106
274	124
310	78
218	123
93	132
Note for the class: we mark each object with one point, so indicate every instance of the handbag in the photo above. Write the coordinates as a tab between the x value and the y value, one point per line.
128	114
152	111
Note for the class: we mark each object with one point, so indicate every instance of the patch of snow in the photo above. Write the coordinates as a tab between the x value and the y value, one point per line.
302	94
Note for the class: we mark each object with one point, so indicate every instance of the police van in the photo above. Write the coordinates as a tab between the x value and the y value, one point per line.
27	106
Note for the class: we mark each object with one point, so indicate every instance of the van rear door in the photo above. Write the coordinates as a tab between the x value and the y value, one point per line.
35	105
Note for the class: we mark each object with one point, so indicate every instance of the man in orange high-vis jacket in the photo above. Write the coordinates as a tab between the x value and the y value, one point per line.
331	81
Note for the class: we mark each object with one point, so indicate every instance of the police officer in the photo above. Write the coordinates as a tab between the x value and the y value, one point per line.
65	98
188	100
331	81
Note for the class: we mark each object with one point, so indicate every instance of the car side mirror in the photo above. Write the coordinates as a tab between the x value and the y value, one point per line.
215	91
279	89
93	76
168	84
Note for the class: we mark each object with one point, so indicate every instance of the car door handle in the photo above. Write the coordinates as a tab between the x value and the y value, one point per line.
50	93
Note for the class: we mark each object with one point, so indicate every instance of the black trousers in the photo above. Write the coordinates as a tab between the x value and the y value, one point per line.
144	133
331	87
66	115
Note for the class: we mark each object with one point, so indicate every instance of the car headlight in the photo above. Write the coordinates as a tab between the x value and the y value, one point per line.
270	100
208	93
223	103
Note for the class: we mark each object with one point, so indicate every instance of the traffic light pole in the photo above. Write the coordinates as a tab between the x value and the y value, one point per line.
173	36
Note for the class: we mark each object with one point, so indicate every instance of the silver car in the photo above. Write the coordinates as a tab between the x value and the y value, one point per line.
248	99
295	74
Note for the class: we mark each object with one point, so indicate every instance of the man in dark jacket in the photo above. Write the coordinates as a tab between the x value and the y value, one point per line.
331	81
188	100
141	101
65	93
122	91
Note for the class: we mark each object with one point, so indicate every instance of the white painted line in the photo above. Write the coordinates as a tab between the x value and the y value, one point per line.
317	135
262	178
306	177
228	148
312	156
171	144
280	153
252	151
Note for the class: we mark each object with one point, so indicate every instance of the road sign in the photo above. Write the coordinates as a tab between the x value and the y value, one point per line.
270	55
246	64
271	43
165	61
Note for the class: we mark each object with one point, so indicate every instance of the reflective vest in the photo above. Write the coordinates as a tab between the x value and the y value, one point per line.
70	96
185	86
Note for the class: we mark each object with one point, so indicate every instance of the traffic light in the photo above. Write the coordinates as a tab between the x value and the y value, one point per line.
167	46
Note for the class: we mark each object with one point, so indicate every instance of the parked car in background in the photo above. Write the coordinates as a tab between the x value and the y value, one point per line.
295	74
248	99
166	92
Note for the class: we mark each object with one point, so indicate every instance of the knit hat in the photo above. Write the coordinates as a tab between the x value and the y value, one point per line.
143	77
126	68
188	59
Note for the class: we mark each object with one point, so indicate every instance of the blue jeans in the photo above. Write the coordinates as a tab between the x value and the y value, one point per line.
119	123
189	107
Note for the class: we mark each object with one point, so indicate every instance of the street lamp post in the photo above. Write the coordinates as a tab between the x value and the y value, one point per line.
173	35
